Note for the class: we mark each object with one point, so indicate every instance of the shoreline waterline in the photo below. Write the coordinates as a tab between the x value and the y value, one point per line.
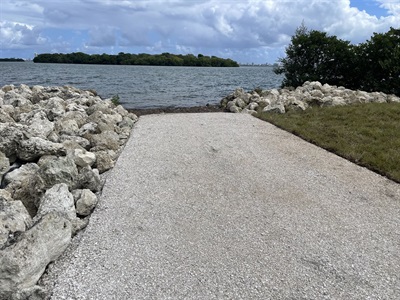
144	87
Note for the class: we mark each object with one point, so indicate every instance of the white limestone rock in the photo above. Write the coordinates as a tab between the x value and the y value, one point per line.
14	218
309	94
275	108
21	174
10	136
4	165
54	171
83	158
23	262
107	140
89	179
57	199
33	148
38	124
104	161
86	202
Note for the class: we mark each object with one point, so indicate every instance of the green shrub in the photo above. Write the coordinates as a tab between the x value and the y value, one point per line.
315	56
115	100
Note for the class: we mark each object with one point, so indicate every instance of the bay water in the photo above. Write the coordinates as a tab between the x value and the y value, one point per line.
144	86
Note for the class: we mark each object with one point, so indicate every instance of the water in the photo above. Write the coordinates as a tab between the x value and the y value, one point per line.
144	86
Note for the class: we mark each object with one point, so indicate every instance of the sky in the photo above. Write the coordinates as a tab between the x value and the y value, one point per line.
248	31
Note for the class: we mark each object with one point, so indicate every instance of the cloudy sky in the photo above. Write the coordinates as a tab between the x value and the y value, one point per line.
245	30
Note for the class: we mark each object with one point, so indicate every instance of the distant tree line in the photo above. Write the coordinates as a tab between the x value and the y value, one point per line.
11	59
315	56
164	59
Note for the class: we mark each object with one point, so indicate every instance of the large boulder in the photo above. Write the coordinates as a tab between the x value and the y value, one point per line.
275	108
54	171
25	91
295	104
88	128
271	96
89	179
67	127
38	123
4	165
103	107
55	107
21	174
19	184
23	262
83	158
239	93
83	142
5	117
15	99
107	140
11	134
86	201
105	122
57	199
5	195
104	161
33	148
14	219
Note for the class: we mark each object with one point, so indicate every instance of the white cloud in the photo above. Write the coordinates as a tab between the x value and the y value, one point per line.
250	29
393	6
19	35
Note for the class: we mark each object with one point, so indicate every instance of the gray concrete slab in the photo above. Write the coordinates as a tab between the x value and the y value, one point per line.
225	206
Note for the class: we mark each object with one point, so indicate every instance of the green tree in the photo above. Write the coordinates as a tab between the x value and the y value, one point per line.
189	60
379	65
79	58
371	66
313	55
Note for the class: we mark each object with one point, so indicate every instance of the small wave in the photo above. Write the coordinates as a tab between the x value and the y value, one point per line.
146	86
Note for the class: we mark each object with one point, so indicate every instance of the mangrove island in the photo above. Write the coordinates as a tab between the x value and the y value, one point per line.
164	59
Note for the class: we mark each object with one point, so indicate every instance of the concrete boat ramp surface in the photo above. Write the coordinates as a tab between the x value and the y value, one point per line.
225	206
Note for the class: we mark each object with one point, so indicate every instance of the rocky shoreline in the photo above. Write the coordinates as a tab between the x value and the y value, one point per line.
303	97
56	146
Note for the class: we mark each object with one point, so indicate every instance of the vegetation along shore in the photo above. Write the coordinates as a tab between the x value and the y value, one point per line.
164	59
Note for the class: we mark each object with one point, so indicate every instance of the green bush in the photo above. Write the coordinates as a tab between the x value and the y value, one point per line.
379	62
315	56
115	100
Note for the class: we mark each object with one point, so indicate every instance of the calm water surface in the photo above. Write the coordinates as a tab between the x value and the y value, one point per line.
144	86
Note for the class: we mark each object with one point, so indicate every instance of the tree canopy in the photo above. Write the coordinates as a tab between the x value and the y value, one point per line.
11	59
315	56
164	59
379	62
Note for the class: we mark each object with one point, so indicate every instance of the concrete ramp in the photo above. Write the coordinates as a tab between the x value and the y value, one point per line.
225	206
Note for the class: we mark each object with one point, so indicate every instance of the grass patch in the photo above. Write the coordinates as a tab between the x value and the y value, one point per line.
115	100
366	134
